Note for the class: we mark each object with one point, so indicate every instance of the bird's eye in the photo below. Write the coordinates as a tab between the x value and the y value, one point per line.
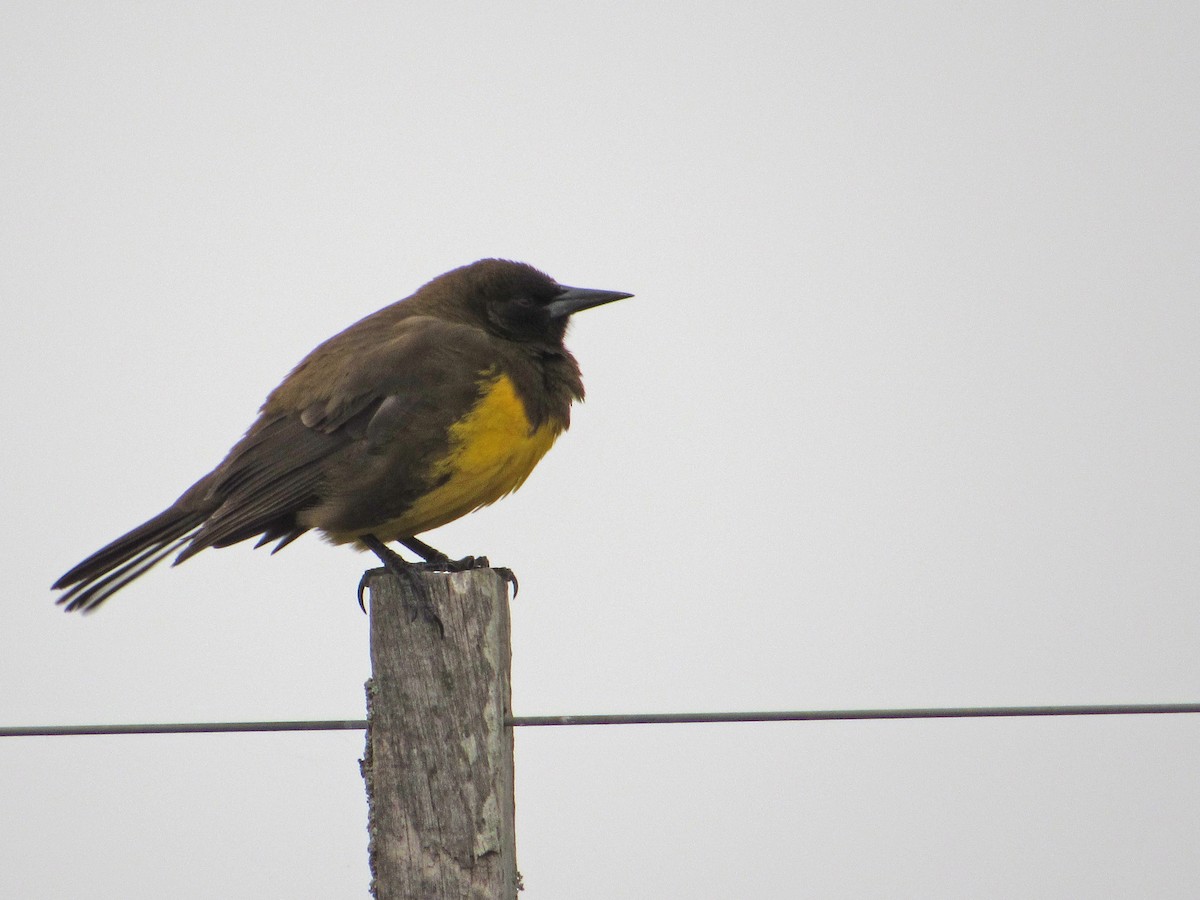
522	301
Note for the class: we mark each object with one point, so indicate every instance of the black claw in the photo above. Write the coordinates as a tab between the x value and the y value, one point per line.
364	583
508	575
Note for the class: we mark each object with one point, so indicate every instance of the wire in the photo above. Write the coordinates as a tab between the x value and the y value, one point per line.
183	728
960	712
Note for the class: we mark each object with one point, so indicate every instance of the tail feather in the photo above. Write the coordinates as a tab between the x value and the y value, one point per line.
269	476
108	570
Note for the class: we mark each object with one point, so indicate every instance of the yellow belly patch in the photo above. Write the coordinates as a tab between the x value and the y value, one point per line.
492	451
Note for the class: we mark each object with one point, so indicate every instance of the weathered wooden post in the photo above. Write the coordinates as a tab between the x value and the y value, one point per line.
439	756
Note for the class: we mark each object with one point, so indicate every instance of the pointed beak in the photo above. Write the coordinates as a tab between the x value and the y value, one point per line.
572	300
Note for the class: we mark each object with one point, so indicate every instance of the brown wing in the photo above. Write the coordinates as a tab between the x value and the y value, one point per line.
317	439
322	433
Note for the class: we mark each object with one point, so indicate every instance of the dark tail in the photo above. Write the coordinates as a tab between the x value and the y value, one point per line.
107	571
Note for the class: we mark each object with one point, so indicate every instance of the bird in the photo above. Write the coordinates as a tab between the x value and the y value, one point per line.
412	417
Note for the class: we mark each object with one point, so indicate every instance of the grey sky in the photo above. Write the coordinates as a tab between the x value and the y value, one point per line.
904	414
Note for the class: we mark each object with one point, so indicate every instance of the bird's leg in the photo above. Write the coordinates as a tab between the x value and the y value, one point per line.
404	570
438	561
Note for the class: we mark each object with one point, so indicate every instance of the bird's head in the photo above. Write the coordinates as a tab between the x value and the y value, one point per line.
513	300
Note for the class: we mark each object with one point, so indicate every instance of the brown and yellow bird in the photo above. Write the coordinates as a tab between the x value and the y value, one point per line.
420	413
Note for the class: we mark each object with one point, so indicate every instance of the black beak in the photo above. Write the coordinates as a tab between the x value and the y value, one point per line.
572	300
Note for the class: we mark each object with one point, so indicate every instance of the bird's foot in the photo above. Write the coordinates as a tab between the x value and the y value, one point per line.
437	561
421	604
442	563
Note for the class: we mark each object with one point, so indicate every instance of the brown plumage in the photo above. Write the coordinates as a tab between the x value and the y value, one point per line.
421	412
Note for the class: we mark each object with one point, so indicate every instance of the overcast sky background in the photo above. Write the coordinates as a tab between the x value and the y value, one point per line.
904	414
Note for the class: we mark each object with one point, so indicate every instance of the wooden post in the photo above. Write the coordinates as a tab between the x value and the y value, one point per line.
439	757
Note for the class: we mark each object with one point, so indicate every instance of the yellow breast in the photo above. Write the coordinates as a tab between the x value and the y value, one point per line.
492	451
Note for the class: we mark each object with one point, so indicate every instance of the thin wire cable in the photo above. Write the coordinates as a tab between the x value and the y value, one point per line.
960	712
183	728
